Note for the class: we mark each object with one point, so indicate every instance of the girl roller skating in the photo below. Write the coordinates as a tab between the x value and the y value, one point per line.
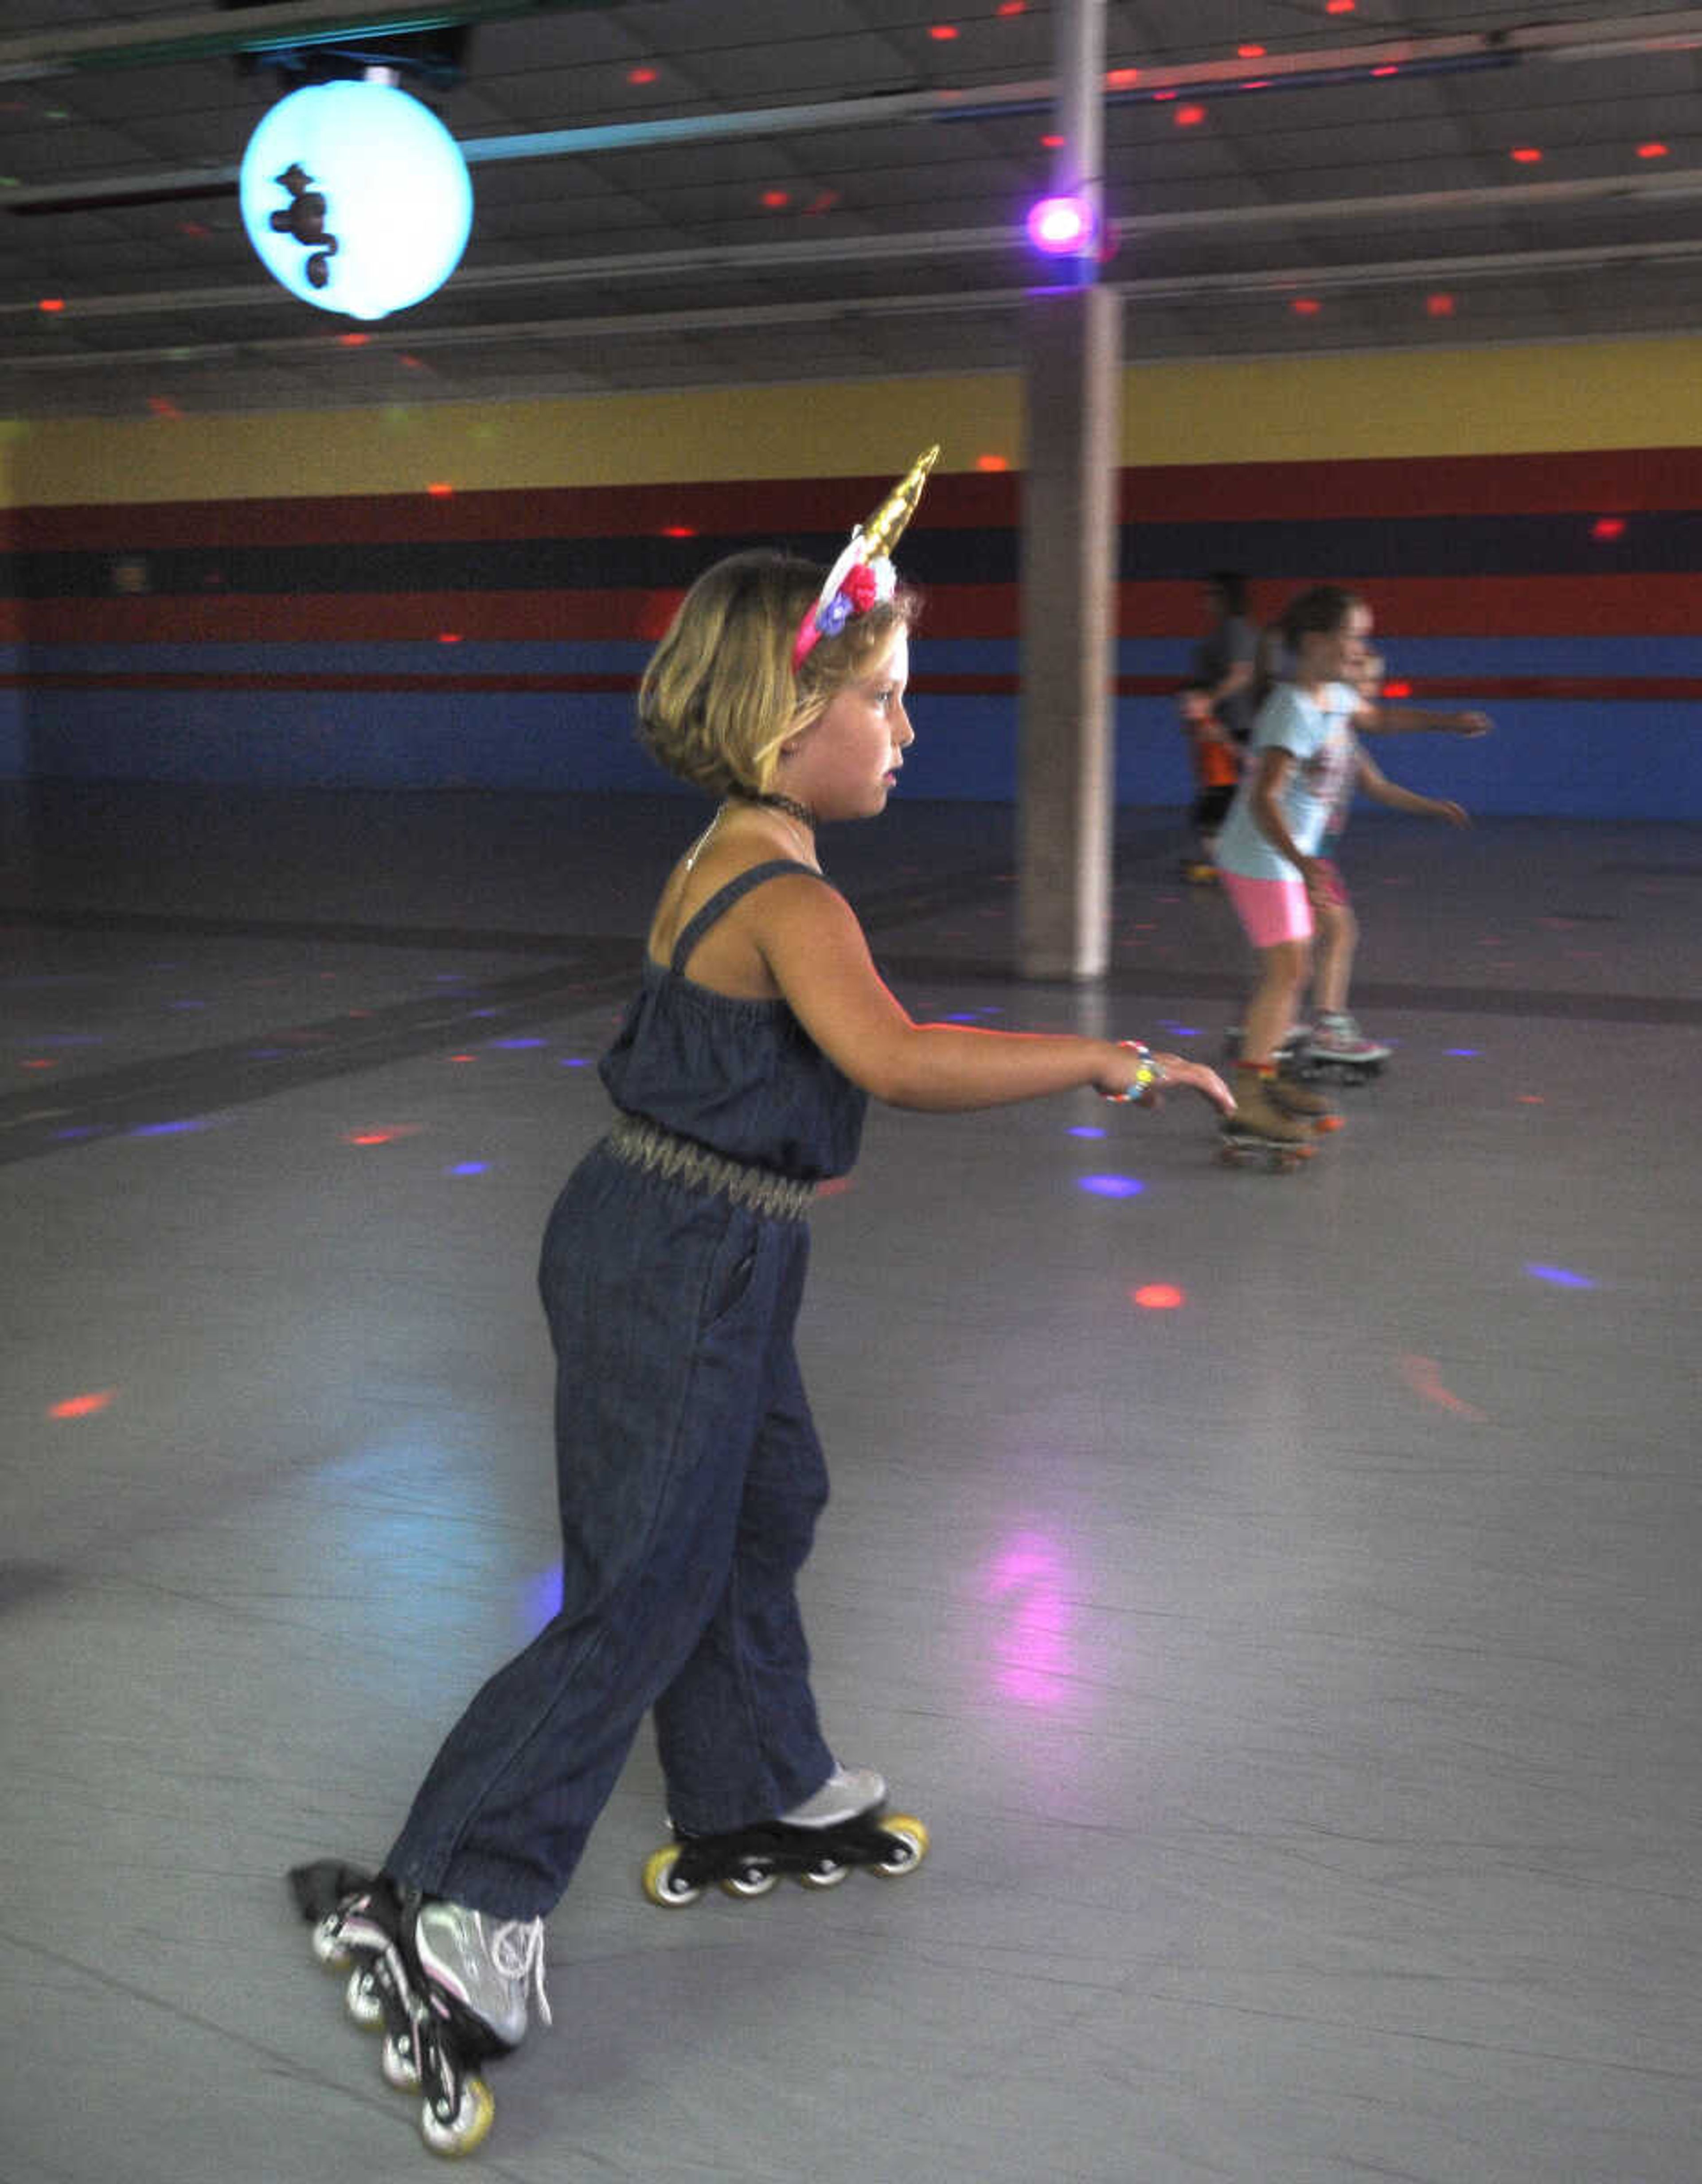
1305	764
690	1473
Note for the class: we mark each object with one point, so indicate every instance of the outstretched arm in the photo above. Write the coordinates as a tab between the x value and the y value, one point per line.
816	953
1381	720
1380	790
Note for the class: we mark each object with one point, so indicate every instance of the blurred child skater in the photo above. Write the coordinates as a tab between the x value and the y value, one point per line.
1334	1035
1304	765
1216	764
689	1473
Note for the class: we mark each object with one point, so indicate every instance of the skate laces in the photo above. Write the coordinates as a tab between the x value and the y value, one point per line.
516	1950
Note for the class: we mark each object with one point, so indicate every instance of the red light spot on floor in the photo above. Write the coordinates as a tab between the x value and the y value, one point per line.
1190	117
1526	155
82	1406
1158	1296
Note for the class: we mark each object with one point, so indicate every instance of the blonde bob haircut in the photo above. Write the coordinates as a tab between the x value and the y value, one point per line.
721	695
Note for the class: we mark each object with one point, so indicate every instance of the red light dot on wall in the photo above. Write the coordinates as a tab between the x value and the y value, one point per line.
1398	689
942	33
777	200
1008	7
440	489
1189	117
1526	155
679	531
1052	143
992	462
1340	6
1305	306
1158	1296
1439	307
1651	151
353	341
1250	52
1120	79
1608	527
641	76
1389	68
51	303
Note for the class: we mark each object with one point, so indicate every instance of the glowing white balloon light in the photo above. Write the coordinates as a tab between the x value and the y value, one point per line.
356	198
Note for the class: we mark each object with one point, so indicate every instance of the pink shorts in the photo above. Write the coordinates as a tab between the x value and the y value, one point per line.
1271	910
1274	910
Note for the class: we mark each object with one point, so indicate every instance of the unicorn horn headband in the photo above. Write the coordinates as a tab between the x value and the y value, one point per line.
863	575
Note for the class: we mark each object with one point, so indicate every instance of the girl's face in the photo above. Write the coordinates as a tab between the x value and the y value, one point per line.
1336	655
843	766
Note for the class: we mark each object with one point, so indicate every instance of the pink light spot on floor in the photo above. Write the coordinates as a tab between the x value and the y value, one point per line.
1158	1296
1423	1375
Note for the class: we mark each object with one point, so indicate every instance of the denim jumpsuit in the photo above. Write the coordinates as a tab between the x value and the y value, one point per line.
691	1476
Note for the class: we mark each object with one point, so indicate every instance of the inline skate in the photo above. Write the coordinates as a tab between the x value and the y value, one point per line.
845	1824
447	1988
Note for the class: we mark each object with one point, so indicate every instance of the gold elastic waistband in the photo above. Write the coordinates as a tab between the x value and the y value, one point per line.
677	1159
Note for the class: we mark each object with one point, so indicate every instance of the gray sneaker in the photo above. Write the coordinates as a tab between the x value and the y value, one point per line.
492	1966
847	1792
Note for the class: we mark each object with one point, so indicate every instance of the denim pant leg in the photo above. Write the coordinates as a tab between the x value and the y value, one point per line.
737	1730
662	1305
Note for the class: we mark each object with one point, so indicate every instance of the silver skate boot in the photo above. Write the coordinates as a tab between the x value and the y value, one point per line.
847	1792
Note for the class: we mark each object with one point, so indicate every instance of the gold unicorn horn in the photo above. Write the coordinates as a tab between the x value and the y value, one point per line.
885	527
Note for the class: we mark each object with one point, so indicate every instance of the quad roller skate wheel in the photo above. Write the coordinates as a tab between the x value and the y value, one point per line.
1274	1157
470	2125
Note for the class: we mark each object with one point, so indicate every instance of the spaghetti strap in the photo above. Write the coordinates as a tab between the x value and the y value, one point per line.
723	899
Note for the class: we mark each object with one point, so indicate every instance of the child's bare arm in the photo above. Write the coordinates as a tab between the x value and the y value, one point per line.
816	952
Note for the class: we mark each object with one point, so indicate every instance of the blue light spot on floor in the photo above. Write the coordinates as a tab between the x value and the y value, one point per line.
178	1129
468	1168
1086	1130
1110	1186
1563	1278
1465	1053
513	1045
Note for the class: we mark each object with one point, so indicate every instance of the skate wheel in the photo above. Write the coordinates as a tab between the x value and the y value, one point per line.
326	1943
362	1999
397	2061
660	1883
827	1874
469	2127
753	1881
910	1847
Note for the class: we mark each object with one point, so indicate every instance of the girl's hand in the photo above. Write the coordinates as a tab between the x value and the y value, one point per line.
1118	1080
1455	814
1471	724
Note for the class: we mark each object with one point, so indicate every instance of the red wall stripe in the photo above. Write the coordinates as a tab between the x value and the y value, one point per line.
1648	605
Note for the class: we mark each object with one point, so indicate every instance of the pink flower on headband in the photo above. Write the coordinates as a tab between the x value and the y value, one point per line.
861	587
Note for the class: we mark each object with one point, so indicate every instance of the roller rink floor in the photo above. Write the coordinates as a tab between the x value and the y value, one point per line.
1279	1595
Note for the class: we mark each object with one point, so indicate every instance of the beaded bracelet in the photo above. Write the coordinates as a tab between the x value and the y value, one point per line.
1148	1076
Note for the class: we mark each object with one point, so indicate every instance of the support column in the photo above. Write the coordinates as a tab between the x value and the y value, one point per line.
1072	433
